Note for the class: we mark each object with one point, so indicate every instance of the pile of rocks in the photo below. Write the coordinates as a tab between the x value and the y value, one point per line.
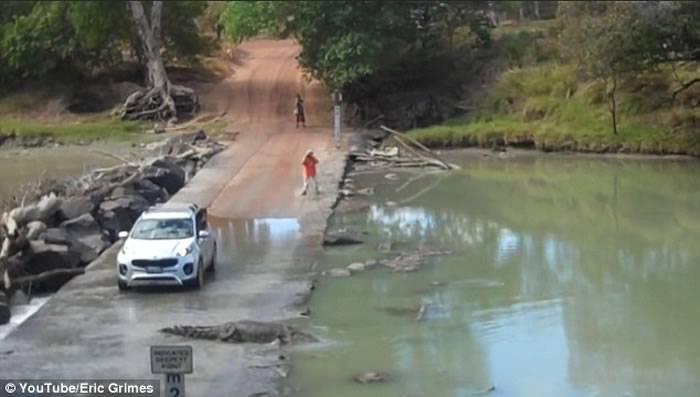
48	242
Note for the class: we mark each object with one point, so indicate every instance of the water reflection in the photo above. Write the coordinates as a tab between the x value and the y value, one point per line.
571	278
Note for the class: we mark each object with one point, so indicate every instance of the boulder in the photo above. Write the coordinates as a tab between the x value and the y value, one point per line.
55	235
85	237
340	238
120	214
385	247
151	192
34	229
81	226
339	273
356	267
122	191
166	173
89	247
74	207
4	309
42	256
371	263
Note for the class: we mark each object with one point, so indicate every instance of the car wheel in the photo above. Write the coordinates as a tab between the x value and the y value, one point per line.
198	282
212	265
122	285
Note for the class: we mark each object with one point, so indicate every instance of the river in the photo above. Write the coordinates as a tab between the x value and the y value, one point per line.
21	166
571	276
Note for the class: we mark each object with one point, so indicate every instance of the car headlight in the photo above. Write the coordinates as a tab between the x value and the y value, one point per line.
184	251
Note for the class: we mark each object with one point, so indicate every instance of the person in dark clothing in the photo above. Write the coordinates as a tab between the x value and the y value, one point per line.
299	111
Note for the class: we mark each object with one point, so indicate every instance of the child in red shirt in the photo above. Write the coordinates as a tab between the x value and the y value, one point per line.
309	164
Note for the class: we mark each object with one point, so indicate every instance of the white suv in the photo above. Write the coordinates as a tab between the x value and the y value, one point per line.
168	245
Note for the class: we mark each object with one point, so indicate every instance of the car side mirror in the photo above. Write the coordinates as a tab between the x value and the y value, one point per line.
203	234
123	234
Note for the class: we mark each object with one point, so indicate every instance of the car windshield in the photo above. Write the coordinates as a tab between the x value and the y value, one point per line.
163	229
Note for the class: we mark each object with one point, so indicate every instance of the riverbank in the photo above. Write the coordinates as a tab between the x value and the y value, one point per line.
455	135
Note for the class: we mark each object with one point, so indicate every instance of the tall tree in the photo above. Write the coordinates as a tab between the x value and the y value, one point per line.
161	100
611	40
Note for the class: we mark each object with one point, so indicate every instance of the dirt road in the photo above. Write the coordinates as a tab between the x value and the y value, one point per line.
267	237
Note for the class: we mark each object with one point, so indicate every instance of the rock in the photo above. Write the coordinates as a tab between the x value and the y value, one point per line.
167	174
42	257
356	267
76	206
339	273
55	235
371	377
340	238
120	214
34	229
371	263
83	225
4	309
19	298
151	192
89	247
85	237
122	191
385	247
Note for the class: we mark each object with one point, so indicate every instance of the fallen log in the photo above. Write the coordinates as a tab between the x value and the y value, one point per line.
430	155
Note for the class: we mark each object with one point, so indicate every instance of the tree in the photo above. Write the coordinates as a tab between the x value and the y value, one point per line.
346	42
611	40
161	100
38	38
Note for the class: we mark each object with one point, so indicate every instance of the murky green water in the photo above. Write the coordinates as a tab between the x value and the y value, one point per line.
20	166
571	277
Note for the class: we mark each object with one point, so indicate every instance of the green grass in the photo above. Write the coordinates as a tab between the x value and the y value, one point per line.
88	129
546	105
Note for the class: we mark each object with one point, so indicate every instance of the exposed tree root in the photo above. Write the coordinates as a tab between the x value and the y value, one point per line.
175	101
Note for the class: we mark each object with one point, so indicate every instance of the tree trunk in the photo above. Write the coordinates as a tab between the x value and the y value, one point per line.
537	9
162	100
521	12
612	104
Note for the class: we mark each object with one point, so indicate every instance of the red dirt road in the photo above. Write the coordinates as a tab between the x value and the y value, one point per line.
264	163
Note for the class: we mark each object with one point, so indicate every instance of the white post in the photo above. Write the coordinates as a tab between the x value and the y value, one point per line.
337	115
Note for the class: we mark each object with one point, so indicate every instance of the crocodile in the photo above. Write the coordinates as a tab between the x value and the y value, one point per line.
245	331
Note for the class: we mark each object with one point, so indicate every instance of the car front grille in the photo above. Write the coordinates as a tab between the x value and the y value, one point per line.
144	263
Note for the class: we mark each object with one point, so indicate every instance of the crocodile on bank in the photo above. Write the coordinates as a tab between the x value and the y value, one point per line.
244	331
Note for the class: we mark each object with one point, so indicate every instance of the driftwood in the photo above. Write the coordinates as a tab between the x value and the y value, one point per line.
416	155
428	157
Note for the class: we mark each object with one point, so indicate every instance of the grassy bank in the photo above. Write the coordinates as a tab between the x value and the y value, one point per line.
540	101
69	131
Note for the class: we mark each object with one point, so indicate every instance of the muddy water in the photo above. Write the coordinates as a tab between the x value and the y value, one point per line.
20	166
571	277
